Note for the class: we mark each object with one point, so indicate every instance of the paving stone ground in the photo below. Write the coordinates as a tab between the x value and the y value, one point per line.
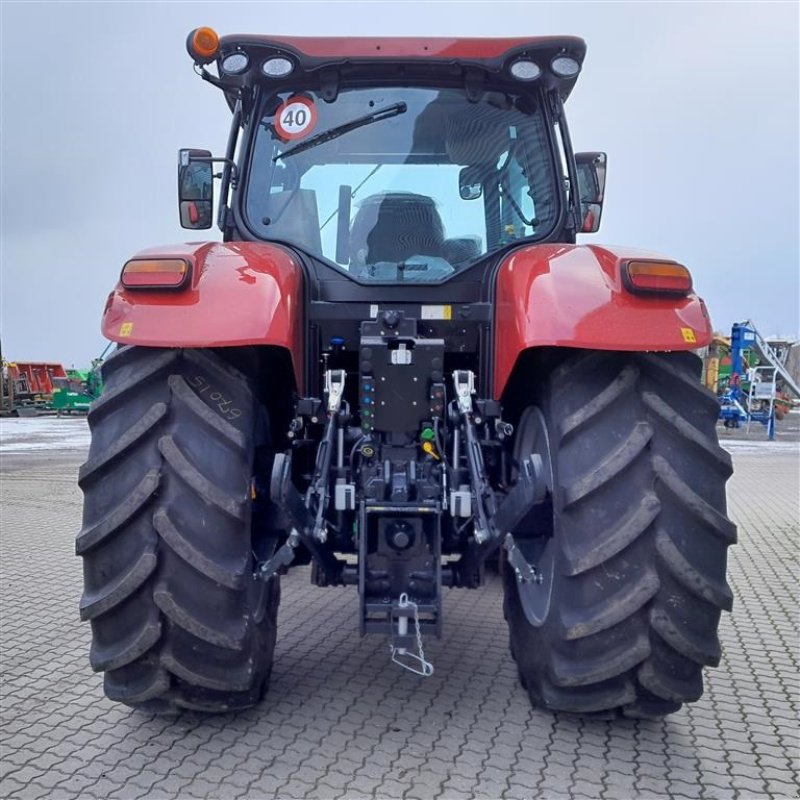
340	721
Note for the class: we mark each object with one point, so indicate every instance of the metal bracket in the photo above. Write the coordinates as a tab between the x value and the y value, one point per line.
485	504
464	385
316	499
461	502
284	494
402	356
282	558
334	388
344	496
530	490
504	430
522	569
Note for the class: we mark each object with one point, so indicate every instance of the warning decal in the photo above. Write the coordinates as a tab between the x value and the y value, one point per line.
688	335
436	312
295	118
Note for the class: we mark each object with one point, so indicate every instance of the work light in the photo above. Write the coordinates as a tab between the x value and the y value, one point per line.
235	63
565	66
525	70
277	67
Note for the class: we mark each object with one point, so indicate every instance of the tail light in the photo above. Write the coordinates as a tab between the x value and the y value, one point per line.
156	273
656	277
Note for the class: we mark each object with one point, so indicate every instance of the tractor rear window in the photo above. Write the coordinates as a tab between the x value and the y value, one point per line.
401	184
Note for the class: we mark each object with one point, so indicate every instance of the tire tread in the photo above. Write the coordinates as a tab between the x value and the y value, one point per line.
167	547
642	535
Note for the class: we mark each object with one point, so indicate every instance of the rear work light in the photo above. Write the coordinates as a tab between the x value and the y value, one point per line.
524	70
565	66
656	277
278	67
235	63
156	273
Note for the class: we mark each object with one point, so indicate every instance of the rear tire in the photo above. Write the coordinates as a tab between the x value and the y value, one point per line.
170	533
633	553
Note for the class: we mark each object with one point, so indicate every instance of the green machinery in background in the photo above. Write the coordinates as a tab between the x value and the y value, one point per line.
75	393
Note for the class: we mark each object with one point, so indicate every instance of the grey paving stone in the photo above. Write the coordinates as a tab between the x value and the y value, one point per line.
9	787
781	789
335	779
747	785
34	791
647	785
339	721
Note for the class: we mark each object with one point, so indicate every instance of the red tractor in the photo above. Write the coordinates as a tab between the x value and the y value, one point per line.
396	366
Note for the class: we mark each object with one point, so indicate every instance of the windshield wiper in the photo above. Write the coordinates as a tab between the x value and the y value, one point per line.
393	110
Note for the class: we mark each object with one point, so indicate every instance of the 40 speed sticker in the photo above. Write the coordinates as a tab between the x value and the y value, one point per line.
295	118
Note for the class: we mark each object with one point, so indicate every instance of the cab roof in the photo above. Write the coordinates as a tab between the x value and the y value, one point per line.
383	47
482	60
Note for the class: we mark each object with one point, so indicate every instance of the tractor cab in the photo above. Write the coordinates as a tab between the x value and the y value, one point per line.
397	160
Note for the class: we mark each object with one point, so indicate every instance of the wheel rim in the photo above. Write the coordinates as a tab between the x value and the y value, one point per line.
539	551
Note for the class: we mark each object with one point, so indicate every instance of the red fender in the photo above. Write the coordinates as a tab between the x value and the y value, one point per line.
239	293
573	296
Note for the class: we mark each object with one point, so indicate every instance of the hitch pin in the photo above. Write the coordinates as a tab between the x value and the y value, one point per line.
413	662
402	622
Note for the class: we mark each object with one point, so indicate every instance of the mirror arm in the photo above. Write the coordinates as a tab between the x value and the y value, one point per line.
229	176
572	169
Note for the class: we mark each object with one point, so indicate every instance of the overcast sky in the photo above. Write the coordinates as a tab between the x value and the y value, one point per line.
695	103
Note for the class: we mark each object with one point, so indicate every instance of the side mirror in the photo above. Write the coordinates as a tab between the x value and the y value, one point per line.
591	186
470	182
195	188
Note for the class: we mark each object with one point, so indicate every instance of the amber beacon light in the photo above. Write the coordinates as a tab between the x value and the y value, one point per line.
203	45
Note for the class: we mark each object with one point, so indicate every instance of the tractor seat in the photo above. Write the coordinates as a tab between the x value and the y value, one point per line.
393	227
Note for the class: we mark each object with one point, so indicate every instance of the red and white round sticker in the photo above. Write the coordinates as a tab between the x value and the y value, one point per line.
295	118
